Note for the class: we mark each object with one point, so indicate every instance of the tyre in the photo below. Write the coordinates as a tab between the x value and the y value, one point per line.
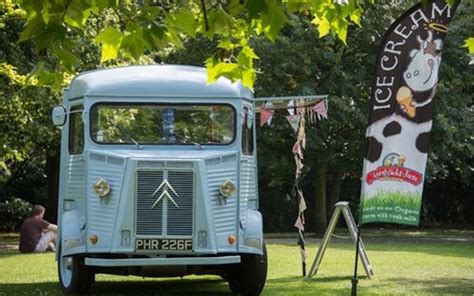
74	276
250	276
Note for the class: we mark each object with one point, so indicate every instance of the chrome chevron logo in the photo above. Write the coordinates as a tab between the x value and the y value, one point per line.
164	187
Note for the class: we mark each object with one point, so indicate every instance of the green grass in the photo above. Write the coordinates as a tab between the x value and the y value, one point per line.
391	206
400	268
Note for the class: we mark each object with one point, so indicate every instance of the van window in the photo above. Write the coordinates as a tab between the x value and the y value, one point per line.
76	130
247	139
177	124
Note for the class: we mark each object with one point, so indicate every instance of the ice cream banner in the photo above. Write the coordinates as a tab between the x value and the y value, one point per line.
402	103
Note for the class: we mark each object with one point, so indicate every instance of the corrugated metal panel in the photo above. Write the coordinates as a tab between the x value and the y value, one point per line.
165	218
103	211
247	186
76	184
224	214
149	219
180	220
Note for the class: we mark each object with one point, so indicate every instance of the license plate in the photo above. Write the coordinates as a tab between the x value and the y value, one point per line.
163	244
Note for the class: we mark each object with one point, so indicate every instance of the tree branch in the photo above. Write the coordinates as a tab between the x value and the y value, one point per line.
204	11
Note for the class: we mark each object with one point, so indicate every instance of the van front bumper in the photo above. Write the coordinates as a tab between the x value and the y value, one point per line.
162	261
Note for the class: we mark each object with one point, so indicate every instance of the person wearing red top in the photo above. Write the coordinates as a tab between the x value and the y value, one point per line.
37	234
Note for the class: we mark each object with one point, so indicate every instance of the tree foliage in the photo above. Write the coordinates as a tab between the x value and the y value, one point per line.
134	28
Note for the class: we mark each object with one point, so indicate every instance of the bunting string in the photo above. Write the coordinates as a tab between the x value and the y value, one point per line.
299	113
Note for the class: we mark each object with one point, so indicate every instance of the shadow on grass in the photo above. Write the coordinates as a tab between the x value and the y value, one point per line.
448	249
127	287
5	253
280	286
451	286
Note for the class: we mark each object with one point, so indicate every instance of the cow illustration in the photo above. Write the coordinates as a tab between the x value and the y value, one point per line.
421	74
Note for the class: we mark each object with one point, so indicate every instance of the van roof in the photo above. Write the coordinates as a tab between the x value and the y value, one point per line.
154	81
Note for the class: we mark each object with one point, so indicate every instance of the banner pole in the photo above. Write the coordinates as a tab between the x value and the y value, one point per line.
303	263
354	279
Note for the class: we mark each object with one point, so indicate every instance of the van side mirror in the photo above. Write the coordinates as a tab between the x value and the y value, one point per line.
58	115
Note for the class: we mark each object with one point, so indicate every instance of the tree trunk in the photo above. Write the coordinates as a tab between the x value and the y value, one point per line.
334	192
320	198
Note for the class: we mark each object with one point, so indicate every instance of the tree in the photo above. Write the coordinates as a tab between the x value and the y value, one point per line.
132	29
135	28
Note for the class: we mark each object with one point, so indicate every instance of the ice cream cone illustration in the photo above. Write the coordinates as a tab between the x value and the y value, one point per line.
405	100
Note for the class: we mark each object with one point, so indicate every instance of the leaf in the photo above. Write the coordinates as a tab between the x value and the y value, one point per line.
249	52
254	7
215	69
226	44
77	13
469	44
66	58
184	21
111	39
220	22
273	20
174	39
355	16
50	79
245	57
342	34
248	78
33	27
339	27
323	26
134	44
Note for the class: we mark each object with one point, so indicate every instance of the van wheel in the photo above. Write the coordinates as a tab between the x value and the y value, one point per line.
250	276
74	276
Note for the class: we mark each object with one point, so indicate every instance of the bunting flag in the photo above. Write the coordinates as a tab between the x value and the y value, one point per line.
266	114
299	223
321	109
302	203
269	106
398	134
294	121
291	107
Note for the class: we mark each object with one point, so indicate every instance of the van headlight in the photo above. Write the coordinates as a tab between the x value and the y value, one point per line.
102	187
228	189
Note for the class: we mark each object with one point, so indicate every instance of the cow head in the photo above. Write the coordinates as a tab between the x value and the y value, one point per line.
422	72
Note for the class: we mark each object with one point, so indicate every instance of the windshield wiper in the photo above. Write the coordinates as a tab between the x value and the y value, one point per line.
124	131
186	140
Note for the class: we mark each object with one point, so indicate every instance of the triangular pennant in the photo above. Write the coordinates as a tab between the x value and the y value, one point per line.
302	205
269	106
321	109
297	149
291	107
299	223
299	166
294	121
265	116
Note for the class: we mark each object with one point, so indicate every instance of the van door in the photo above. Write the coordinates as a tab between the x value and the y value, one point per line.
248	165
75	165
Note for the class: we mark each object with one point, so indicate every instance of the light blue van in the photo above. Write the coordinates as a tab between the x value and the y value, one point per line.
158	178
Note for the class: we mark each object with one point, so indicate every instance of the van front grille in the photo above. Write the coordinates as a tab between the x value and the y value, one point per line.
164	218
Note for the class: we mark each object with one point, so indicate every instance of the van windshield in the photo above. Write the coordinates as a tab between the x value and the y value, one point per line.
162	124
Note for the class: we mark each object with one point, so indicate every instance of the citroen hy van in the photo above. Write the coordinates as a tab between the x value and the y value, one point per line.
158	178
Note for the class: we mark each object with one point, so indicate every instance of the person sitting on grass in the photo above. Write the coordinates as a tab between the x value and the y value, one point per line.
36	234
